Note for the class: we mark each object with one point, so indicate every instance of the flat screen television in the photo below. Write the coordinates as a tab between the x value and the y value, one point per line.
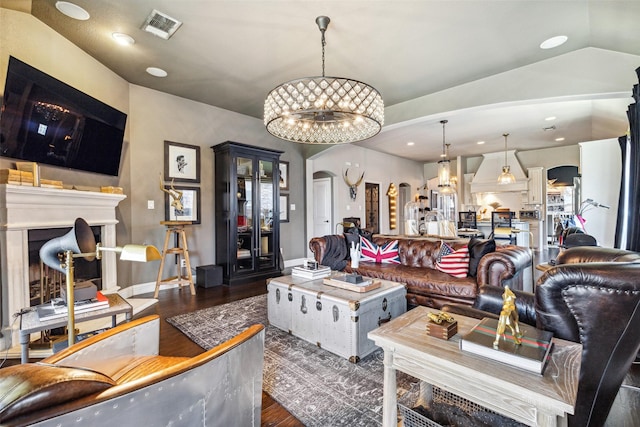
46	121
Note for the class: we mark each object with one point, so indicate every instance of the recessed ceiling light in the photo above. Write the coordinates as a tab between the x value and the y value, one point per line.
559	139
72	10
480	142
550	118
553	42
411	143
123	39
157	72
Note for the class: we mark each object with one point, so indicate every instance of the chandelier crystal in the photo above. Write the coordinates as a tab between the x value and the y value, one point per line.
506	177
323	109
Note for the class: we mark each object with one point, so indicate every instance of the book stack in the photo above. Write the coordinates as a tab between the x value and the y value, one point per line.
531	355
57	308
311	273
16	177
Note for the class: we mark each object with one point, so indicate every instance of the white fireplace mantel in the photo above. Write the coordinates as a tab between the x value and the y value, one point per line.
25	208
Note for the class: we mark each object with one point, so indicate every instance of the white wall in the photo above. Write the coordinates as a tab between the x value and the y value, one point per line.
379	168
601	170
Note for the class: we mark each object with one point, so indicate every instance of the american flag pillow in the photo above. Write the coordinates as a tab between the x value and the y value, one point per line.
455	263
385	254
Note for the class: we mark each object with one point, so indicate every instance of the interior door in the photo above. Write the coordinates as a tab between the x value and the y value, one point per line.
322	207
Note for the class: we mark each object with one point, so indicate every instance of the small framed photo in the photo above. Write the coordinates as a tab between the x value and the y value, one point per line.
284	208
284	176
182	204
181	162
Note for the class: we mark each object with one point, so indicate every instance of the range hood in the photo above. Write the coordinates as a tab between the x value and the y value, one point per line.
485	179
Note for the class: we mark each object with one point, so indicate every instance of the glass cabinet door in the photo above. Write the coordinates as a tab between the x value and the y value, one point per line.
266	257
245	217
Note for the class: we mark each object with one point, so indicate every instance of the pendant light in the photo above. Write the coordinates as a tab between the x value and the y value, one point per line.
444	166
324	110
506	177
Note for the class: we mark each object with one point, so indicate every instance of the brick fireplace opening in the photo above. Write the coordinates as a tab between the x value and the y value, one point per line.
23	210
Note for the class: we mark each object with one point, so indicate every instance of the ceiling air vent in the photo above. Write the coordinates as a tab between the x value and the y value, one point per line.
161	25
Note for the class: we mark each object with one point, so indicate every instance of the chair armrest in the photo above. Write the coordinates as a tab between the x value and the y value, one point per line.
582	254
139	337
489	304
504	266
318	245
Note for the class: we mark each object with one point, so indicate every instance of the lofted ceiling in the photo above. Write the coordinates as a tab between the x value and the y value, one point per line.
475	63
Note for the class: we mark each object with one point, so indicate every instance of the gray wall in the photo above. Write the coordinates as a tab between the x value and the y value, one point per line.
153	117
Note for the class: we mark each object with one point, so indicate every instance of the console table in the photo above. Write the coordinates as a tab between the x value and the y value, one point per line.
536	400
30	322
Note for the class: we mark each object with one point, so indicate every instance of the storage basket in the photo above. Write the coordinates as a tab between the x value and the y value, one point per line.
412	418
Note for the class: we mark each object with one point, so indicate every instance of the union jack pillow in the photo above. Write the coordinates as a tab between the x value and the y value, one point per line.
385	254
455	263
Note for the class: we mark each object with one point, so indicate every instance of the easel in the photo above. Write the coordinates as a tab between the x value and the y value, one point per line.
182	252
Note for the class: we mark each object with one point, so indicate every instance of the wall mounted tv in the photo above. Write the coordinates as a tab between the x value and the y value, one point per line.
47	121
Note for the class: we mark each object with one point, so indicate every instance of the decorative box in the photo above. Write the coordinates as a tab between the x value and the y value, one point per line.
444	330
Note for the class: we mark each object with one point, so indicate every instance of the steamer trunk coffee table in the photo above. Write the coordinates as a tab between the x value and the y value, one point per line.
334	319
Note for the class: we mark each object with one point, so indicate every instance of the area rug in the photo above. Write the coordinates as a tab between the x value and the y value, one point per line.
316	386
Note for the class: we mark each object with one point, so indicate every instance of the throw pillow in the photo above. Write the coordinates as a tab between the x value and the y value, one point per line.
453	262
385	254
477	249
351	238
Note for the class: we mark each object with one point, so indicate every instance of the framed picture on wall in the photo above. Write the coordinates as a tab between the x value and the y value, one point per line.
184	207
284	176
181	162
284	208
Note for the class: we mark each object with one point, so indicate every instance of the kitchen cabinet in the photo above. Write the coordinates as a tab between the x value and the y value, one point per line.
247	210
537	184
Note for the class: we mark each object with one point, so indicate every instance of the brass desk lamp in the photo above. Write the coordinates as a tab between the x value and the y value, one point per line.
79	242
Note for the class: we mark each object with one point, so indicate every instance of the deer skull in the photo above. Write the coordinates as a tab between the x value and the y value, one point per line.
176	196
353	187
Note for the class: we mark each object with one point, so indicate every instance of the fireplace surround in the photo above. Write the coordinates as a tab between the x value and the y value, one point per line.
25	208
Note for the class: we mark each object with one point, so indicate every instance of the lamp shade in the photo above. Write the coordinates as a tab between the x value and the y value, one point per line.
506	177
139	253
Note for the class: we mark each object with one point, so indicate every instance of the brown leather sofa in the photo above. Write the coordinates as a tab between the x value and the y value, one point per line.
117	378
425	284
592	296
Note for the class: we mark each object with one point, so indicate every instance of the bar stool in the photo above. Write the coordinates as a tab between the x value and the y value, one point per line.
177	229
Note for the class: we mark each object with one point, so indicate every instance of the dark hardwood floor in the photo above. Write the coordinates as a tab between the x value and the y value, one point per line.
174	343
172	302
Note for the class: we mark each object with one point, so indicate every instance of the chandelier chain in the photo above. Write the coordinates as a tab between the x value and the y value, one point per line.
324	43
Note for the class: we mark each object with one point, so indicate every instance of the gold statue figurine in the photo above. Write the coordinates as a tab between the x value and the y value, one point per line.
508	317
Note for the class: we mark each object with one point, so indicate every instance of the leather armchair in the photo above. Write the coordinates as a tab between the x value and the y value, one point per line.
591	297
118	378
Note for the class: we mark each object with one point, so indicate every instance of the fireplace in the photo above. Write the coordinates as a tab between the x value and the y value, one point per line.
44	282
23	210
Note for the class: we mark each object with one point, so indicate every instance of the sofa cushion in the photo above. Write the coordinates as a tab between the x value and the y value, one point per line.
384	254
453	262
420	280
477	249
31	387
